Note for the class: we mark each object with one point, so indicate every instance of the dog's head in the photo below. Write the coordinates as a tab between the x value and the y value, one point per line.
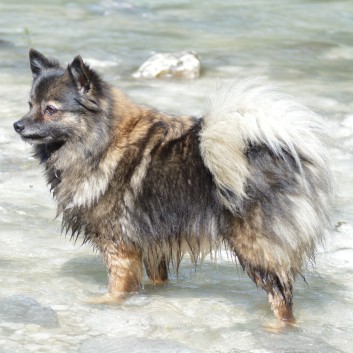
64	103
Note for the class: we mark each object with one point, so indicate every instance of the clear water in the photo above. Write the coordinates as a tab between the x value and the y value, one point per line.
305	47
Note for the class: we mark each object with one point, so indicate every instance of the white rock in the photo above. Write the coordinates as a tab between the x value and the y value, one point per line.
177	65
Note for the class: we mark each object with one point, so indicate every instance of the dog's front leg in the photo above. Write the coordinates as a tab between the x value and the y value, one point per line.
124	266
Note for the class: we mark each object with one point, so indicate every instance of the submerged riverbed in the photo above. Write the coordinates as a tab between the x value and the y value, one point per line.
305	47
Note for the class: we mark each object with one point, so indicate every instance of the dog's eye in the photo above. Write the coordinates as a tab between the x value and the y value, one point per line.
50	110
30	105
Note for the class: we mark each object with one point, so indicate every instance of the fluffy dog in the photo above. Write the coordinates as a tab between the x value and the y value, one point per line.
145	187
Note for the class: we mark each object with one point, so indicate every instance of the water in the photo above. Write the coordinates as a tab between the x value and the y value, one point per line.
305	47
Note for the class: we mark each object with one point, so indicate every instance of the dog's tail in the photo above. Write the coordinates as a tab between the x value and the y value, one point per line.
266	150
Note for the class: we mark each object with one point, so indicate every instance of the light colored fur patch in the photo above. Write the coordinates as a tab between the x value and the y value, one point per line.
140	172
88	188
137	179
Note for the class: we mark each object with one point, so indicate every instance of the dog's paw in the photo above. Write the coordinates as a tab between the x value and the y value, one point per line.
279	326
107	298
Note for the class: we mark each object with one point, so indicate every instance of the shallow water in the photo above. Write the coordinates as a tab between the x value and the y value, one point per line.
305	47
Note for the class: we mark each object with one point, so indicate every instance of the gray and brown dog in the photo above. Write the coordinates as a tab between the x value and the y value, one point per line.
145	187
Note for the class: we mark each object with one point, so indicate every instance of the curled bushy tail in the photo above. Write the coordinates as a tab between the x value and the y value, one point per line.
264	148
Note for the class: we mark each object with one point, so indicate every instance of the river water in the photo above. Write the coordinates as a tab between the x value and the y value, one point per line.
303	46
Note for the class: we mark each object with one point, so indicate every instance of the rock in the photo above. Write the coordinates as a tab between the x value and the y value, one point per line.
185	65
26	310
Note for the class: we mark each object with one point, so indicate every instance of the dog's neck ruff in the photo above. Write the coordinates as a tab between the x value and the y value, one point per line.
78	180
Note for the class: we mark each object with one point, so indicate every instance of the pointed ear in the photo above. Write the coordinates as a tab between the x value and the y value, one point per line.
39	62
81	74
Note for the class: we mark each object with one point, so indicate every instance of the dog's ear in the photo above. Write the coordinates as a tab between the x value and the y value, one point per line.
87	81
39	62
81	74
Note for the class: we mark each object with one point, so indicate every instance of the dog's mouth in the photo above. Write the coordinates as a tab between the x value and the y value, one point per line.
32	137
36	138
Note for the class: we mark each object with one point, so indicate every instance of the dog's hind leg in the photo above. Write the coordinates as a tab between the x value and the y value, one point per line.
124	265
157	274
268	265
279	287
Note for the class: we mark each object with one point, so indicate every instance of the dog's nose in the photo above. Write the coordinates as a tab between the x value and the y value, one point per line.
18	126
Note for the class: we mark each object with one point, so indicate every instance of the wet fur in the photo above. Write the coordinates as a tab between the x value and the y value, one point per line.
146	187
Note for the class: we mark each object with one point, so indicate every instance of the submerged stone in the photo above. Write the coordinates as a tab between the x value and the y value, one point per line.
185	65
26	310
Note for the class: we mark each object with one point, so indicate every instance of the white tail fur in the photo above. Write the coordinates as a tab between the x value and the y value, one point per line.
250	112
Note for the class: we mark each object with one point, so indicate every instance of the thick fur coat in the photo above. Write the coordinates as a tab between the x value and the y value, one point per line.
146	188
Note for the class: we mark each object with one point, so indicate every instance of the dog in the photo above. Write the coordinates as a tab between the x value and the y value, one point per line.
145	187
